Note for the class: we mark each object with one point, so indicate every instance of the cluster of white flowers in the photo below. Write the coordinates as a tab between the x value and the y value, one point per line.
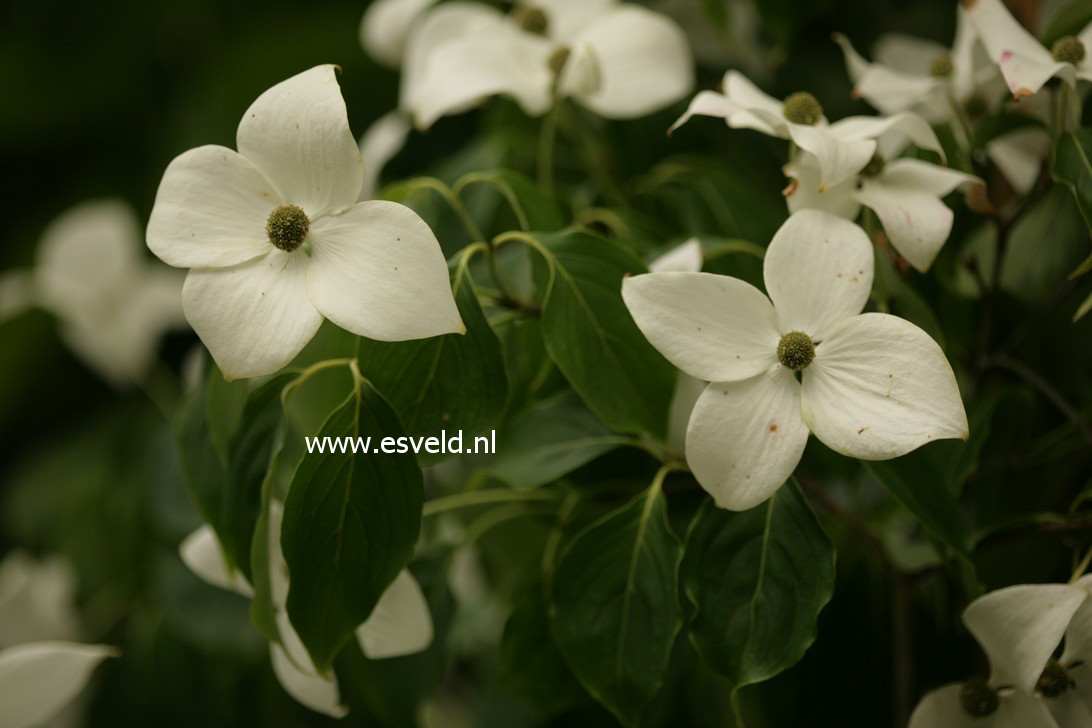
1019	628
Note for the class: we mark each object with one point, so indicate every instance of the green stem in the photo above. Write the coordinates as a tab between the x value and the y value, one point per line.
546	142
484	497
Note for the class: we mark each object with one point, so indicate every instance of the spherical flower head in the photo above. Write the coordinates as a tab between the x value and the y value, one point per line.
1054	681
978	698
1068	49
795	351
531	19
941	66
874	166
802	108
287	227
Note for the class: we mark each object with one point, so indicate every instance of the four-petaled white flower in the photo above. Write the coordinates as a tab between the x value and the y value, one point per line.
1018	628
904	193
400	624
874	386
113	304
1026	63
619	60
842	148
276	240
42	670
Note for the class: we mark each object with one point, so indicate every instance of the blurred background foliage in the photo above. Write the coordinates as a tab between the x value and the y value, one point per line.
99	97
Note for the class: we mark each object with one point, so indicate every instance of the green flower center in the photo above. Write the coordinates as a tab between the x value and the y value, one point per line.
941	67
1068	49
287	227
796	350
978	698
1054	681
802	108
531	19
874	166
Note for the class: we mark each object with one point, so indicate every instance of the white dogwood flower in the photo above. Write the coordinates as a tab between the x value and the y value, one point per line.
842	148
905	194
276	240
42	670
400	624
1026	63
873	386
1018	628
386	26
112	304
619	60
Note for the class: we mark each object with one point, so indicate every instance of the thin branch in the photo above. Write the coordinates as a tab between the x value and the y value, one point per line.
1045	388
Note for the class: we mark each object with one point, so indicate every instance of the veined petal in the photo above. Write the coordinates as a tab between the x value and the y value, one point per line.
297	134
466	69
942	709
892	91
1001	35
1026	74
385	26
38	679
804	194
839	159
201	552
709	103
380	143
856	65
912	126
306	687
211	210
378	271
924	176
745	438
880	387
253	317
686	258
818	272
713	327
1019	626
567	18
1070	708
907	53
743	92
917	223
643	63
400	624
1019	155
1078	635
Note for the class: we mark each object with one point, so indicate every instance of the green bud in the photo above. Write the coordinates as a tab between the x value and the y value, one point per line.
941	67
531	19
287	227
1054	681
558	59
978	698
874	166
796	350
1068	49
802	108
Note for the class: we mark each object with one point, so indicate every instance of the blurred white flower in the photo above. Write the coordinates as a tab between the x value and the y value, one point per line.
276	240
842	149
904	193
41	669
1018	628
399	625
380	143
619	60
113	305
873	386
1024	62
386	26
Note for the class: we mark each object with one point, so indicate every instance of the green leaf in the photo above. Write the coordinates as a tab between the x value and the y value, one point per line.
614	610
1084	308
591	336
249	457
224	408
533	210
758	580
549	439
1073	167
450	382
1068	20
921	487
350	524
203	471
1045	245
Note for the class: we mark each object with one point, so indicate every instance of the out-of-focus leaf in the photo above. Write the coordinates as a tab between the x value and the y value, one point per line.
1044	247
1084	308
591	336
1073	167
1071	19
614	607
533	210
549	439
350	523
758	580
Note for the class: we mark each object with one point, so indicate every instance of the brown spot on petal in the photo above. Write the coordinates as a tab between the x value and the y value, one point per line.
1022	92
861	430
790	188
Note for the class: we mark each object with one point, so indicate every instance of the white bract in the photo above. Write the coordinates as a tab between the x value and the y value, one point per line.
874	386
619	60
904	193
1024	62
112	304
400	624
386	26
1018	628
842	149
41	669
276	240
